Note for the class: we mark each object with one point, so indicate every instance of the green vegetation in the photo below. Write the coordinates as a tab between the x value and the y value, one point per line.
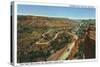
30	32
81	28
40	37
84	27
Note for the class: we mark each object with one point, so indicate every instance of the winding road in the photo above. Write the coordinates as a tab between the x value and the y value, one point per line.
65	52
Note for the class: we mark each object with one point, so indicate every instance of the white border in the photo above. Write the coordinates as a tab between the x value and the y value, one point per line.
47	4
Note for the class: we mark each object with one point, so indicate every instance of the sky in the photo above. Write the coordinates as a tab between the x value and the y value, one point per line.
55	11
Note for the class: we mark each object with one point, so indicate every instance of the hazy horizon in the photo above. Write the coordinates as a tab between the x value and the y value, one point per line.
57	12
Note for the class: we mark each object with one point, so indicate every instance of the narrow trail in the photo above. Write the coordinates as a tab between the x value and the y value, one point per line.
46	43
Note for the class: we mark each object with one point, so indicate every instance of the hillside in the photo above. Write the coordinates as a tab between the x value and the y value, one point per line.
39	21
47	38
